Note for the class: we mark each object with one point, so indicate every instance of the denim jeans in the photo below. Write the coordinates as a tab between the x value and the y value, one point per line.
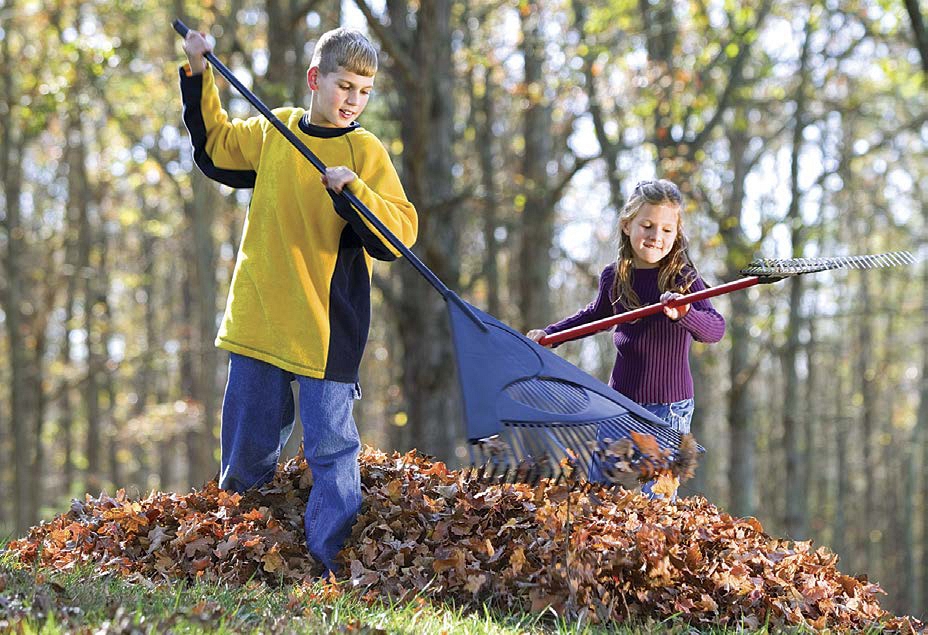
257	419
679	415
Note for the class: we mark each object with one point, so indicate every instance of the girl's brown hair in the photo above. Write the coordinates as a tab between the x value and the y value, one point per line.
671	276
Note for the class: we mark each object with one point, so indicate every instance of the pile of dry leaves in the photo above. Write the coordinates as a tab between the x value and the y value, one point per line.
606	554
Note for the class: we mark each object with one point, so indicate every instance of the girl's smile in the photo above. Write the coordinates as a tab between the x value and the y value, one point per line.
652	233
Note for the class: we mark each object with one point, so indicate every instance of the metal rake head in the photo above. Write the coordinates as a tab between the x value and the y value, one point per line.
781	268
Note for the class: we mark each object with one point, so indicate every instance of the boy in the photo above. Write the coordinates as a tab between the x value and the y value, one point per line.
299	305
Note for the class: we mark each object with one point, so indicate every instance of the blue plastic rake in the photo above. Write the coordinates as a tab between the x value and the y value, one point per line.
528	413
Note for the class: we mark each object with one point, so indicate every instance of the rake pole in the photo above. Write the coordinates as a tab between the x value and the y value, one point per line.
630	316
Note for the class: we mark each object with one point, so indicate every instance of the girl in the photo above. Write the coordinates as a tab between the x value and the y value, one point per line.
652	360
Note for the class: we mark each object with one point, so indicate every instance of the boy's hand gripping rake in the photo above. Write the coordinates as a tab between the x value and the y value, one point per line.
529	414
763	270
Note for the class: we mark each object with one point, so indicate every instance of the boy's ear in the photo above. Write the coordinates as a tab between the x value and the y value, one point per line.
312	77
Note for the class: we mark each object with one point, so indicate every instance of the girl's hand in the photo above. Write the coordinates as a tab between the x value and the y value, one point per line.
675	313
196	46
535	334
337	178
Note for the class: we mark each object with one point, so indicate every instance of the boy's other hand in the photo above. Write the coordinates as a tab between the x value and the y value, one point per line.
535	334
196	46
674	313
337	178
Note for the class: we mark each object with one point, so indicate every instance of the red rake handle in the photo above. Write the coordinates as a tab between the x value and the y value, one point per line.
630	316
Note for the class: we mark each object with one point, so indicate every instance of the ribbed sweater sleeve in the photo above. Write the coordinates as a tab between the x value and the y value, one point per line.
702	321
598	309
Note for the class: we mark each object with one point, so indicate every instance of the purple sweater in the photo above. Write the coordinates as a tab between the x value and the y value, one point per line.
652	361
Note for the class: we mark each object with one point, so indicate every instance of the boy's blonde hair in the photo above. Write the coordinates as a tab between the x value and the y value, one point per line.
671	276
347	48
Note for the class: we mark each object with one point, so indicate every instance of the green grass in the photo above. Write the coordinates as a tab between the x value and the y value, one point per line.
33	601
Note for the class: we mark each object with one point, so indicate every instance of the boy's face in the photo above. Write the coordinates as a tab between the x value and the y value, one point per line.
339	97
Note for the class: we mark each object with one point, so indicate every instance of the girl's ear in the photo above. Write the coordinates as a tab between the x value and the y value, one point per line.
624	226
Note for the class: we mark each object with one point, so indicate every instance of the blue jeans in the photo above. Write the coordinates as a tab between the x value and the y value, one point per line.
679	415
257	419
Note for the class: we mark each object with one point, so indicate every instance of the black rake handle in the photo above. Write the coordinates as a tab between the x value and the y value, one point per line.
362	209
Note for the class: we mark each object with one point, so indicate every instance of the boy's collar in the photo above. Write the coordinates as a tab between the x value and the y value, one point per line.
325	132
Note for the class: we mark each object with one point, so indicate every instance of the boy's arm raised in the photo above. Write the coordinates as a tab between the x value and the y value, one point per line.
226	151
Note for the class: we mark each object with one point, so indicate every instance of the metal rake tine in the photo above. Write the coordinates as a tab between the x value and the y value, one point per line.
899	258
551	448
520	448
585	458
518	444
476	448
894	258
473	450
577	443
544	451
487	464
509	471
535	474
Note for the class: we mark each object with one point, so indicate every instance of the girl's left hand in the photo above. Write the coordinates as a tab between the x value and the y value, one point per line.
674	313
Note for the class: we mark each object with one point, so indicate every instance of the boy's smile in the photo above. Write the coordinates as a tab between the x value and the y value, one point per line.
339	97
652	233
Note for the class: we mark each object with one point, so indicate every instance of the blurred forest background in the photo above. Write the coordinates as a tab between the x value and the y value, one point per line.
518	127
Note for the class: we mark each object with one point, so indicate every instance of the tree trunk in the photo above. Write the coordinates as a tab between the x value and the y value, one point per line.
429	382
740	411
608	148
840	544
486	147
741	471
281	58
796	523
207	390
94	472
537	217
919	590
13	301
866	375
815	461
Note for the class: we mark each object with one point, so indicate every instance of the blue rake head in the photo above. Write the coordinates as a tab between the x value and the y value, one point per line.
530	414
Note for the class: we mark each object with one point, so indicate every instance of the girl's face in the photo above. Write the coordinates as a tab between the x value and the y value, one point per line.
652	233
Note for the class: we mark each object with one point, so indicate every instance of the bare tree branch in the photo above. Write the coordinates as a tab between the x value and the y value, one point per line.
404	63
918	29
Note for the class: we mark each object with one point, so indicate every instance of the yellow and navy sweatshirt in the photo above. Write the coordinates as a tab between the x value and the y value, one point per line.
300	295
